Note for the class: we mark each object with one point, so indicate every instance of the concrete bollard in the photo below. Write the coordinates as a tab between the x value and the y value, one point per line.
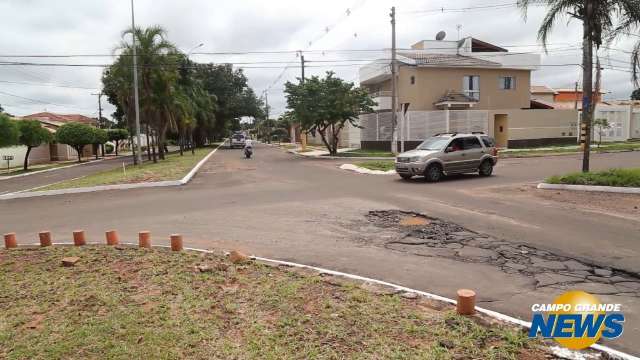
112	237
176	242
466	304
79	238
45	238
144	239
10	241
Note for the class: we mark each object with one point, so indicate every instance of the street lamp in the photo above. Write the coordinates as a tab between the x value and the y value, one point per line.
194	48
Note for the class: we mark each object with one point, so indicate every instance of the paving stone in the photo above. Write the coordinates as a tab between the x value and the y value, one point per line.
576	265
545	264
599	279
474	252
618	278
546	279
70	261
454	246
603	272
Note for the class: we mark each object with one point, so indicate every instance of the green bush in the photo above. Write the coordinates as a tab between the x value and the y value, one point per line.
9	133
612	177
108	148
76	135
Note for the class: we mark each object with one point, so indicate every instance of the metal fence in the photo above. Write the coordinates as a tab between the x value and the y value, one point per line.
419	125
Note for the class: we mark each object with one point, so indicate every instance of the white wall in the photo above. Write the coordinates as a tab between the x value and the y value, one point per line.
38	155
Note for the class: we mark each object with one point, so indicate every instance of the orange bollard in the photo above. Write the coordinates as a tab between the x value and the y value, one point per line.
176	242
466	304
10	241
144	239
112	237
45	238
79	238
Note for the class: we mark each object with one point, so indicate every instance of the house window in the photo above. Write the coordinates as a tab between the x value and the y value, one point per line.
471	86
507	82
413	80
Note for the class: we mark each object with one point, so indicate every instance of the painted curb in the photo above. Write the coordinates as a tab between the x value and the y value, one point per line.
362	170
590	188
183	181
53	169
567	353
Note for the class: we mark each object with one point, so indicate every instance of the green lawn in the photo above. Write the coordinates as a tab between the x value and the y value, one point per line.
383	165
366	153
174	167
127	303
561	150
613	177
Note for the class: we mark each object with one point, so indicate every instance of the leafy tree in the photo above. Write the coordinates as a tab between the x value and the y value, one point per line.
635	95
32	134
601	124
326	106
1	109
602	20
76	135
9	133
117	135
100	137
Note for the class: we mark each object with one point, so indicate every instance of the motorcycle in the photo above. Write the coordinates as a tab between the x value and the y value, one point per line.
248	152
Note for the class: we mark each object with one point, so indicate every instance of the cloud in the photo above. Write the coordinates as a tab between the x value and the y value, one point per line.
95	27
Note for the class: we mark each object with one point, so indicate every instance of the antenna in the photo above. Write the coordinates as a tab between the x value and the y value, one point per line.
459	27
441	35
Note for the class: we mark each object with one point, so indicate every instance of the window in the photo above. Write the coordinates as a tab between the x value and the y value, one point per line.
507	82
471	86
471	143
413	80
488	142
456	145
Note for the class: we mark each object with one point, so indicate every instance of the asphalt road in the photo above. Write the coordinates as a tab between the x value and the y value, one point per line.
50	177
281	206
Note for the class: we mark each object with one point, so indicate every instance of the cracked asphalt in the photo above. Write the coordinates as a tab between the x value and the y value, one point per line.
514	250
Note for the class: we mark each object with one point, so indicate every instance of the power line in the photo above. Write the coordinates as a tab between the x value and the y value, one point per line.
41	101
47	85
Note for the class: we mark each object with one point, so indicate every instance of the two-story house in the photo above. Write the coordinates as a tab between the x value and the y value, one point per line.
487	81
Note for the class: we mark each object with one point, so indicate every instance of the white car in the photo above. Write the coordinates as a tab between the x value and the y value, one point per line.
237	141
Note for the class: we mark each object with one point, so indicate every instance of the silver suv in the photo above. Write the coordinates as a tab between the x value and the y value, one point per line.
447	154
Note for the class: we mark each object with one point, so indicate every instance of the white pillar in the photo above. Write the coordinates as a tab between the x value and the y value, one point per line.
447	117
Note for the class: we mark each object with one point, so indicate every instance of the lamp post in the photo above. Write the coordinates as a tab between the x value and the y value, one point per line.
138	157
194	48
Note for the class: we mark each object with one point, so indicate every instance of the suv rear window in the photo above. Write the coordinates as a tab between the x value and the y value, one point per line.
238	137
488	142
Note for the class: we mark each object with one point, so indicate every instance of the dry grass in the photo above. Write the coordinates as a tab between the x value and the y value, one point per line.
129	303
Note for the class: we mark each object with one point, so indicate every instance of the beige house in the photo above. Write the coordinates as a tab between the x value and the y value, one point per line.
461	86
49	152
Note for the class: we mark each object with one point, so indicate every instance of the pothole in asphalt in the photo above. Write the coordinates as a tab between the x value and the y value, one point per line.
422	235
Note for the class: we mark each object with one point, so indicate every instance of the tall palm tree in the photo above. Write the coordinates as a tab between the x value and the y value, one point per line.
602	21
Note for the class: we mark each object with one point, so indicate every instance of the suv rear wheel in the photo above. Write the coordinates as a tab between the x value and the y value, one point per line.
433	173
486	168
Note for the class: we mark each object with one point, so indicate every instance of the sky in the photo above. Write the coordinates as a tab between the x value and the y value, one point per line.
274	31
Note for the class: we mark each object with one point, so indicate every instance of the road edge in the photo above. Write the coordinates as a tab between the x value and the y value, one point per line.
186	179
52	169
590	188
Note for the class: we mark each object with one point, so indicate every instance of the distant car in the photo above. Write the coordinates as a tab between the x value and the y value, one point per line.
237	140
448	154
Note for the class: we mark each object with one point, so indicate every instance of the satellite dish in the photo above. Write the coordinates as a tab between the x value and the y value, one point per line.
441	35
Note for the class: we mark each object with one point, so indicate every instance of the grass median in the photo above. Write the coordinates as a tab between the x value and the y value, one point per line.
612	177
569	150
129	303
175	167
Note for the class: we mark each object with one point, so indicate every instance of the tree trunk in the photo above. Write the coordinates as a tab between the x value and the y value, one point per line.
323	136
587	83
154	142
102	149
181	141
26	158
79	151
148	144
96	150
193	144
117	145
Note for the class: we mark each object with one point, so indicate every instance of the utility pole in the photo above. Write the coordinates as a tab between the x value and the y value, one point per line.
99	95
587	81
303	135
575	105
394	90
138	158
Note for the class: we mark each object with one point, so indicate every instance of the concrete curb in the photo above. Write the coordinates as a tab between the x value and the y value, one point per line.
183	181
361	170
53	169
563	352
590	188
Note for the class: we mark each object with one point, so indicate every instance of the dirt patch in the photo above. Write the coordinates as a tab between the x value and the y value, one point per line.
439	238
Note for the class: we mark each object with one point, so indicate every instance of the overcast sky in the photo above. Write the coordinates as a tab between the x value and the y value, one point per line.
44	27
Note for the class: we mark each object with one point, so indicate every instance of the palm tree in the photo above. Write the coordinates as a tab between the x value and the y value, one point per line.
602	20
